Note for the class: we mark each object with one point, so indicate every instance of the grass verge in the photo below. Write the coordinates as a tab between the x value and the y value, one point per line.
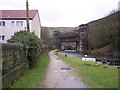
93	74
34	78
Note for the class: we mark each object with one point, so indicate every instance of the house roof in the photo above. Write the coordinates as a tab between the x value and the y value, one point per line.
16	14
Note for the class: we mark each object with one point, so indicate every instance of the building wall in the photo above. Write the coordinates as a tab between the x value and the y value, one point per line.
36	25
10	28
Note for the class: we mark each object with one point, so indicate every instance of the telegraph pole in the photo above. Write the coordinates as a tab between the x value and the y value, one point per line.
27	15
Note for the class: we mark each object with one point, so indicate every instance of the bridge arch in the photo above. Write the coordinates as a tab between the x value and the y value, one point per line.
70	39
79	35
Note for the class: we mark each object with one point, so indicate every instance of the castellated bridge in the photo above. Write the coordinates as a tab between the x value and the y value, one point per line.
79	36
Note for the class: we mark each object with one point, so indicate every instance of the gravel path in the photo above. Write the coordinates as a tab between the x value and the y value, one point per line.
59	75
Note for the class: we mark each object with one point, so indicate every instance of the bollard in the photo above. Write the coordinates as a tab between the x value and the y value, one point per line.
65	55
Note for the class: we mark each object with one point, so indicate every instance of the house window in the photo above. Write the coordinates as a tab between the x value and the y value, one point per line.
2	23
12	23
19	23
2	38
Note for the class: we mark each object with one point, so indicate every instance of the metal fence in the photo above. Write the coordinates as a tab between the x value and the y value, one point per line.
14	63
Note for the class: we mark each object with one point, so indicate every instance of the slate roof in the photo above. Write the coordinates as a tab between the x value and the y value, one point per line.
16	14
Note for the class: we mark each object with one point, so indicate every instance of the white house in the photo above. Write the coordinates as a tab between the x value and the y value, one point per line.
12	21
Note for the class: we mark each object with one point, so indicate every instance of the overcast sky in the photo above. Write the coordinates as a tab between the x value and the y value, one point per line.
64	12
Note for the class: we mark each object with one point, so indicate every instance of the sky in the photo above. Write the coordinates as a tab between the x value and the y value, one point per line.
64	13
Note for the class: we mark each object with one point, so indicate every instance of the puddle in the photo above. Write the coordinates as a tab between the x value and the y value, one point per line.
58	58
65	69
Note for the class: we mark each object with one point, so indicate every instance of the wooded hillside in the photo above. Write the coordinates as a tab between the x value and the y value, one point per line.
104	32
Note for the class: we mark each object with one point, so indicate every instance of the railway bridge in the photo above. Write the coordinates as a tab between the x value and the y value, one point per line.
79	36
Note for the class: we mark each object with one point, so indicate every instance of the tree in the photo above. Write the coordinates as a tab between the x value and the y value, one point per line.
31	42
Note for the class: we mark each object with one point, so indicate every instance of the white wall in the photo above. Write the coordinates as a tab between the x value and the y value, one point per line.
89	59
36	25
8	30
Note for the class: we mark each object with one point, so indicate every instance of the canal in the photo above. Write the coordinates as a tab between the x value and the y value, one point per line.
103	59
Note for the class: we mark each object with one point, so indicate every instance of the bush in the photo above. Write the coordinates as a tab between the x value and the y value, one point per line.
31	42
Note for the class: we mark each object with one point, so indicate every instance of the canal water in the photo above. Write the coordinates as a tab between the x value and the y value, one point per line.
72	53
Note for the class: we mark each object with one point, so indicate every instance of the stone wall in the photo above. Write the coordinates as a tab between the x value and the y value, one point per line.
13	61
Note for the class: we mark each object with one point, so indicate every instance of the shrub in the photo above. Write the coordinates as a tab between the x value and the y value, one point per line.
31	42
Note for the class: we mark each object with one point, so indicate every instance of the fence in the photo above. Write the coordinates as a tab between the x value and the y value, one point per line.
14	63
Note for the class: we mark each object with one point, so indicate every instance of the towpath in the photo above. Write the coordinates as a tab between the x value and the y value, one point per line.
59	75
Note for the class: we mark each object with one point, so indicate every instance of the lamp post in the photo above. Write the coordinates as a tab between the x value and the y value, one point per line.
27	15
